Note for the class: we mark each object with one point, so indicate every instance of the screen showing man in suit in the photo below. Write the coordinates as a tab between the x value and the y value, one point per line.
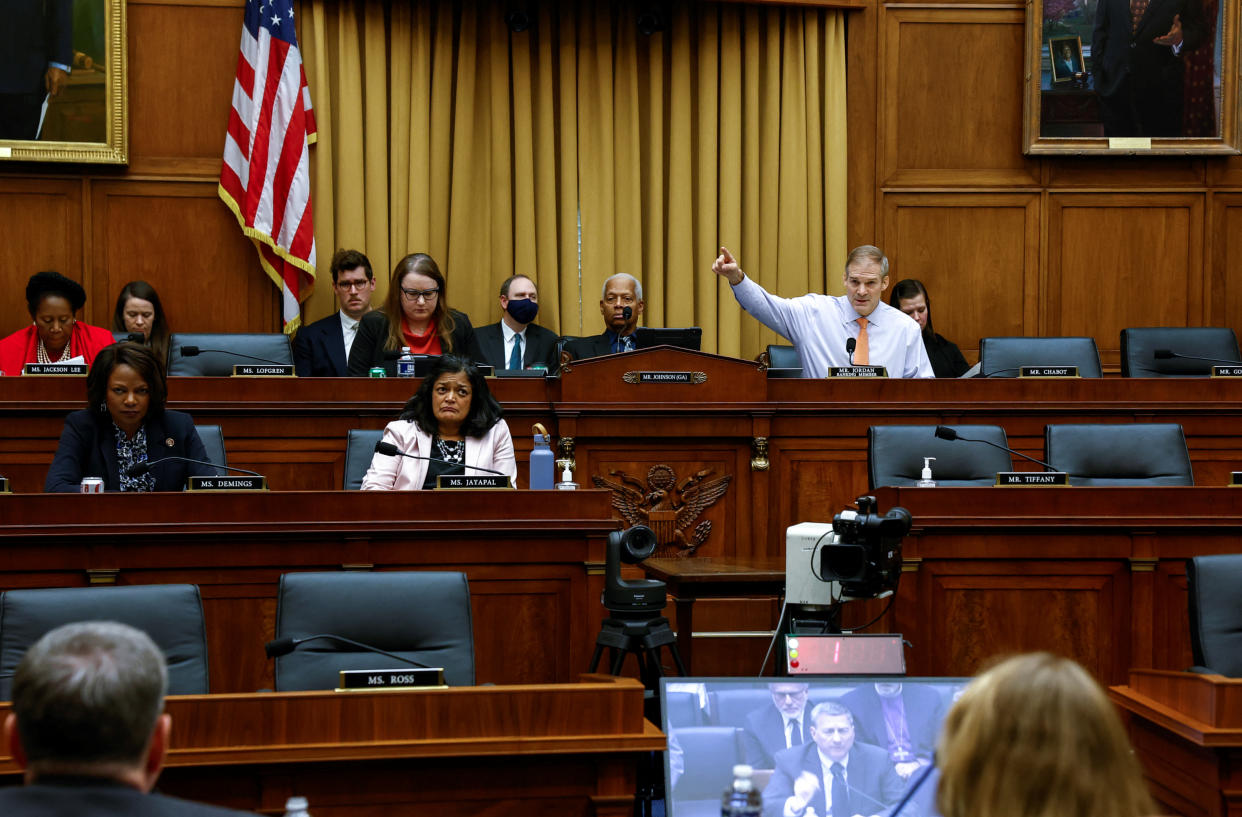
515	341
777	726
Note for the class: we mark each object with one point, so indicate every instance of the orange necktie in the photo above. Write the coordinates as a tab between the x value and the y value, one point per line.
861	351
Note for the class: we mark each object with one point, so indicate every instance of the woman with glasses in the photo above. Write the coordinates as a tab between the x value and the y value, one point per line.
415	314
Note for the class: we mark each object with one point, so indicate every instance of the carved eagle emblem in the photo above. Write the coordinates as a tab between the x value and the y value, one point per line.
667	506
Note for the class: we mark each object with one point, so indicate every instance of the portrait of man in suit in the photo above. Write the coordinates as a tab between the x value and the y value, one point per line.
1066	59
322	348
833	774
777	726
36	56
516	341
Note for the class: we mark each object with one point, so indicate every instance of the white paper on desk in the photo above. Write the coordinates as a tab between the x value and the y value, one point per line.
38	133
78	359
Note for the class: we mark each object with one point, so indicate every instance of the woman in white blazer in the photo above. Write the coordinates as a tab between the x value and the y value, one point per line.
453	418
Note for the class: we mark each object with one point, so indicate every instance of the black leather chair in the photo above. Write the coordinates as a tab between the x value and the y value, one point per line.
1002	357
1216	613
709	754
423	616
1138	350
270	347
895	455
783	361
359	449
213	441
172	614
683	709
1128	454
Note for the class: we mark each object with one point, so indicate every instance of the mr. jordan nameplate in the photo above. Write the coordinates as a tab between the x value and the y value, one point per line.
354	680
1041	478
473	481
262	370
47	369
677	378
242	483
858	371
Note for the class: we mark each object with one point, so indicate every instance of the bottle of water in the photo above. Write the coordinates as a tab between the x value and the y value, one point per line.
542	462
741	799
405	365
296	807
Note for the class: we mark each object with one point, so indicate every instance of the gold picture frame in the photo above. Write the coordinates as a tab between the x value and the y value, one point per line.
88	121
1193	109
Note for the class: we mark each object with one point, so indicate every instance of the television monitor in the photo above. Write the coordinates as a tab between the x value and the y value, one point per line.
714	723
686	337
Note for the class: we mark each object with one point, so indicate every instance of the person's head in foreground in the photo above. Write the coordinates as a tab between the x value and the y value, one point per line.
1035	736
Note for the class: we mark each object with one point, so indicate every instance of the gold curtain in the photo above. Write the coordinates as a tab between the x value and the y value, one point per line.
440	131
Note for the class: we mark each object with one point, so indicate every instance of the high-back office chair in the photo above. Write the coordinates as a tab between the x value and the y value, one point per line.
783	361
423	616
1127	454
1139	347
213	441
709	754
270	347
1003	357
359	449
172	614
895	455
1213	584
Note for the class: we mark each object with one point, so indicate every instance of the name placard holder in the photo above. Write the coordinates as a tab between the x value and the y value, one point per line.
54	369
263	370
858	371
665	378
1048	371
491	482
1029	478
361	680
239	483
1227	371
1235	479
4	486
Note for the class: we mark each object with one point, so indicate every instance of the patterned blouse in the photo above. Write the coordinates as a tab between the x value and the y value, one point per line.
128	454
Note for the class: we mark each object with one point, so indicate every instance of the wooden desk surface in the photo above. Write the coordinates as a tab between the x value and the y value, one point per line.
707	570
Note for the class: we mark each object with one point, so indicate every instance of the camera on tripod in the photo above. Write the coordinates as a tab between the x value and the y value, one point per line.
858	556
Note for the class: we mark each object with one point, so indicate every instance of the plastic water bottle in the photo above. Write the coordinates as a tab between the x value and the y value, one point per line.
296	807
405	365
542	461
741	799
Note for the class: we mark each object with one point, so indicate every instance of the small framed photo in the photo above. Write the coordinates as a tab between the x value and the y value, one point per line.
1065	54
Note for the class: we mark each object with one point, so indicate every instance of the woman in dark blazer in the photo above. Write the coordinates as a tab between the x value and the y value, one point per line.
415	314
910	296
126	424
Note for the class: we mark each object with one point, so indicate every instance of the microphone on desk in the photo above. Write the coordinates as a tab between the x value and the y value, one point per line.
1169	354
946	433
135	337
286	645
390	450
924	773
194	351
141	468
850	346
627	313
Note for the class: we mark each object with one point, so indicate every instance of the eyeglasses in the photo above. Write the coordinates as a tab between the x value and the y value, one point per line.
420	294
353	286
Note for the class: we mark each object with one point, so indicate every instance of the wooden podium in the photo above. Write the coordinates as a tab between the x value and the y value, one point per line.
1187	730
503	750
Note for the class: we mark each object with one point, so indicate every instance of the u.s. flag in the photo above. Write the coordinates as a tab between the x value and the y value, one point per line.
265	178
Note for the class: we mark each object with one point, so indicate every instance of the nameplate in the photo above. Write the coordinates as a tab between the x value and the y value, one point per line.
241	483
1042	478
1235	479
487	481
1227	371
46	369
353	680
858	371
1129	143
1048	371
262	370
5	488
682	378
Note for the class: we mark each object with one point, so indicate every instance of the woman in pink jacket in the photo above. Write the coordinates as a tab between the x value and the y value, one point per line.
452	419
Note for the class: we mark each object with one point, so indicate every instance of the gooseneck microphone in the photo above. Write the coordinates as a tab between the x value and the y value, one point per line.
194	351
286	645
143	467
924	773
390	450
850	346
627	313
946	433
136	337
1169	354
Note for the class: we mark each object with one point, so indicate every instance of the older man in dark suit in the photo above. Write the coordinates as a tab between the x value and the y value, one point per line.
36	56
516	341
621	292
322	349
832	775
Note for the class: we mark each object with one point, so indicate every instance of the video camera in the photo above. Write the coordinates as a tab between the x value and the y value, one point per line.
864	555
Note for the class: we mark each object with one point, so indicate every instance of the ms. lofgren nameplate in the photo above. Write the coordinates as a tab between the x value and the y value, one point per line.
685	378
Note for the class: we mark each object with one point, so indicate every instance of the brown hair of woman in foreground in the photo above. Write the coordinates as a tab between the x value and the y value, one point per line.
1035	736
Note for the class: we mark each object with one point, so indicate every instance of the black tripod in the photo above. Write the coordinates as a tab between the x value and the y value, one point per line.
642	635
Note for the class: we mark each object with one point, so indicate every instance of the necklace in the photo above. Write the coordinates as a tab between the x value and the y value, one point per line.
452	450
41	355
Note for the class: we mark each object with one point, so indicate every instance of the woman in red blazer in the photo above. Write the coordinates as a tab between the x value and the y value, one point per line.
56	334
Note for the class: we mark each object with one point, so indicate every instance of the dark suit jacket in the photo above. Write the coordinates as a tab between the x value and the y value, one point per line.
924	712
601	344
764	735
92	797
88	449
319	349
1115	53
35	32
540	346
946	358
869	775
368	349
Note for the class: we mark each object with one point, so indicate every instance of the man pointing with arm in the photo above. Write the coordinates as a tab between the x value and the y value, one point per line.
820	325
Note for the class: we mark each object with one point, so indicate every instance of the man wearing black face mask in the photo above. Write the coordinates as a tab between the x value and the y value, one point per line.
514	342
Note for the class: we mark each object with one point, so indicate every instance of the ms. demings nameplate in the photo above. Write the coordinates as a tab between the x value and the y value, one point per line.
1028	478
356	680
473	481
243	483
683	378
45	369
262	370
1047	371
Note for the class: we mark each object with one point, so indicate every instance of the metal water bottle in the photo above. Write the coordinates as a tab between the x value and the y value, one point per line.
542	461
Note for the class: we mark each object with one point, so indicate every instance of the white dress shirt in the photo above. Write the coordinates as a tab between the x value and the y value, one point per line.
349	331
819	325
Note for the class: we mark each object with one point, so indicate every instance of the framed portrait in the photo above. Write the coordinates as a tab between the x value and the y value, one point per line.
1116	77
63	70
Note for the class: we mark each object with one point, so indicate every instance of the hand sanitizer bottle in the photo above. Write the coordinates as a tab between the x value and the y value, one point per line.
925	479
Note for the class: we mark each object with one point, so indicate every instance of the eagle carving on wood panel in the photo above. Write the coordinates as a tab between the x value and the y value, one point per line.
667	506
